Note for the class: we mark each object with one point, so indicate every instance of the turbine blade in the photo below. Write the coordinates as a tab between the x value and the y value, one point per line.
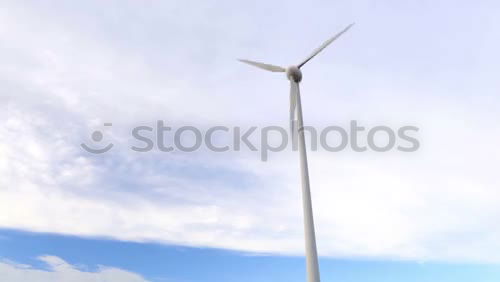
293	107
267	67
324	45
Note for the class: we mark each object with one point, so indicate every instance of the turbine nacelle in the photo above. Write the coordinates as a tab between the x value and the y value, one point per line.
294	74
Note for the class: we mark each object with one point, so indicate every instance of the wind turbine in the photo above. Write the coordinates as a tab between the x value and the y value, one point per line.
294	74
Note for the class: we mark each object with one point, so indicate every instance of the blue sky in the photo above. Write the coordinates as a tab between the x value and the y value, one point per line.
157	262
69	68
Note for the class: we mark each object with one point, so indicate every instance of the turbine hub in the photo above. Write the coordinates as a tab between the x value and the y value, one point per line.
293	73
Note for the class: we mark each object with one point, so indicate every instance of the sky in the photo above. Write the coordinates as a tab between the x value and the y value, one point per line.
68	68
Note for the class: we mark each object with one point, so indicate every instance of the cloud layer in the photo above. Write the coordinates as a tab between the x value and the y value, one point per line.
63	77
59	270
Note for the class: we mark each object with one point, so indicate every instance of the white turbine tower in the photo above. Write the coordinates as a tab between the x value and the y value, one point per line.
294	74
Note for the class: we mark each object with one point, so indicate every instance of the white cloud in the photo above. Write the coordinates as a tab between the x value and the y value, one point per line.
64	80
59	270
